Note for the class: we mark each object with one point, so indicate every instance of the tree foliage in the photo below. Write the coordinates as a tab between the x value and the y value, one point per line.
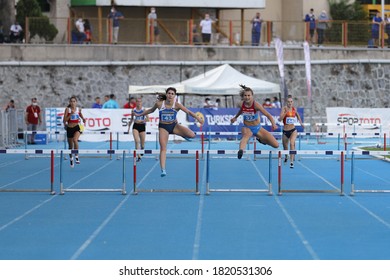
344	10
355	15
38	23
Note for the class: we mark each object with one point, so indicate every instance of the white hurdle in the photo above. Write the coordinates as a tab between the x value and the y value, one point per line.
48	152
230	152
310	152
378	155
195	190
100	152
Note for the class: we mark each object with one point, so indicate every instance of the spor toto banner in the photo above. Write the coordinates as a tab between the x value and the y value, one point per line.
359	120
100	122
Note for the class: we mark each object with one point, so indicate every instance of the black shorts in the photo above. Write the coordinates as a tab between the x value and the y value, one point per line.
288	133
70	131
168	126
140	127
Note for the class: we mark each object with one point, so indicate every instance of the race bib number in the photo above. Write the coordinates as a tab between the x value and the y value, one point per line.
290	120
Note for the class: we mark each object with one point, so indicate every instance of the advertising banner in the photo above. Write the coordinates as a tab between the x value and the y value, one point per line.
100	122
357	120
218	120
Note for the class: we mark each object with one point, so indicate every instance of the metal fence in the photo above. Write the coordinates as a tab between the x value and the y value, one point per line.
225	32
11	128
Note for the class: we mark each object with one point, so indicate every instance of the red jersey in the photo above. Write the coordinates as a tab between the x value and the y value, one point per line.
249	113
290	117
74	117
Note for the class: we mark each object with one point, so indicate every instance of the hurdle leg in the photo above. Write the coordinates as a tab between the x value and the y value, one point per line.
279	173
135	172
61	163
52	173
207	172
197	173
123	174
270	173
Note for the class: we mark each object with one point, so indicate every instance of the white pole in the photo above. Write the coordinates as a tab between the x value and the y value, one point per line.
383	9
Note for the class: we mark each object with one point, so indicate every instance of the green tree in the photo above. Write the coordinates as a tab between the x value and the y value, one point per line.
357	17
38	23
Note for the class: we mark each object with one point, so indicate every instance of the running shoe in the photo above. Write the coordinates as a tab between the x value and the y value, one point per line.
71	163
138	158
187	139
259	140
77	160
240	153
291	165
163	173
285	159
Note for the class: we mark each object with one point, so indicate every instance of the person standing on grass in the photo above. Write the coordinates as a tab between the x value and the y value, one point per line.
168	124
289	115
249	108
72	119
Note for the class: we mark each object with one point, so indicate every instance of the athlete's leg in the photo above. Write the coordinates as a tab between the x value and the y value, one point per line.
293	137
267	138
163	139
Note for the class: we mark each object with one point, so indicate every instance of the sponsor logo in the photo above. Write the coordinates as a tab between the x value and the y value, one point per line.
350	119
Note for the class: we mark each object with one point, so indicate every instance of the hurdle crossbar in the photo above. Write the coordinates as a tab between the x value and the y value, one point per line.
108	152
25	152
229	152
137	190
379	155
341	154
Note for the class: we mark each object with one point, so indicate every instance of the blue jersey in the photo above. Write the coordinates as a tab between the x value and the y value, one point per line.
139	118
167	115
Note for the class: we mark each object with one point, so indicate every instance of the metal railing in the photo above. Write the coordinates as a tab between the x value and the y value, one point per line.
11	127
225	32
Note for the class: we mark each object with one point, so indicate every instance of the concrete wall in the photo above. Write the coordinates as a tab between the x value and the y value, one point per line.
340	77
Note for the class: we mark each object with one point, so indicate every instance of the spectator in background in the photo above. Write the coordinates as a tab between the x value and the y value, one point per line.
88	31
311	19
97	104
276	103
217	103
207	103
16	33
106	98
115	16
33	118
206	26
256	29
376	22
1	33
321	26
387	29
111	104
10	105
131	104
78	34
152	17
267	103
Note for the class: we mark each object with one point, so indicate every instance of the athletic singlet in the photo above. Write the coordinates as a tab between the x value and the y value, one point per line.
139	118
290	117
249	113
75	117
167	115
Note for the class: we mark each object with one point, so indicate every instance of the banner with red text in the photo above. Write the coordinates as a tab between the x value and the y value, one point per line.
357	120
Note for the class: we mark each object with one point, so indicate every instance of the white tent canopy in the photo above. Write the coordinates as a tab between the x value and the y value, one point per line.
223	80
